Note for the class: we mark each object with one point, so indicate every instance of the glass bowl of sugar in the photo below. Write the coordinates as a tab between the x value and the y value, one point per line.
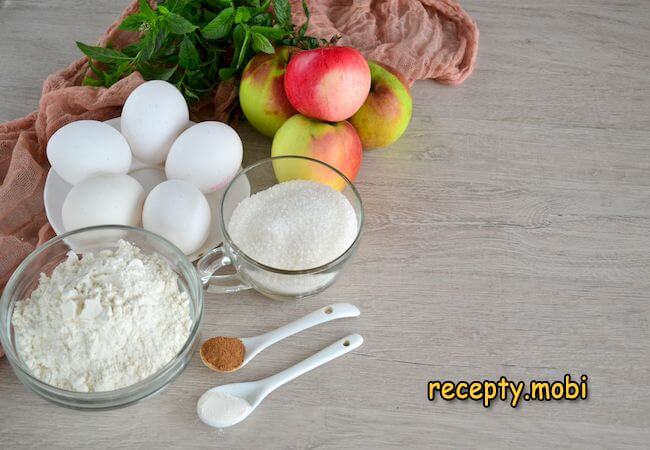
294	234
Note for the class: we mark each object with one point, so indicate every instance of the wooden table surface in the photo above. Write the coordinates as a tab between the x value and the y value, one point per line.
507	233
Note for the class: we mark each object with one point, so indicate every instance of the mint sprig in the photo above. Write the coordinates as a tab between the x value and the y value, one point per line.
195	44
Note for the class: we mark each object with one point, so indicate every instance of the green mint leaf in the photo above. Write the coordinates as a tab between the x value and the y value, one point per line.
133	22
95	69
101	54
237	38
188	92
170	5
90	81
264	19
165	74
157	73
244	46
271	33
264	6
282	10
218	4
261	43
117	74
176	24
151	42
161	41
145	8
243	14
190	95
175	5
193	14
221	25
195	79
208	15
188	56
227	73
148	44
131	50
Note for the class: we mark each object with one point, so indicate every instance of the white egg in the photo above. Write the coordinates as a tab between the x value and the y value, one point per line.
85	148
208	155
179	212
103	200
149	177
152	118
135	163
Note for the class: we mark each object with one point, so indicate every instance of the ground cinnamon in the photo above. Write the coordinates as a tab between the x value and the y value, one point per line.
224	354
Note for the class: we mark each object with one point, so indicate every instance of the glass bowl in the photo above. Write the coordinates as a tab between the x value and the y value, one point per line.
278	284
46	257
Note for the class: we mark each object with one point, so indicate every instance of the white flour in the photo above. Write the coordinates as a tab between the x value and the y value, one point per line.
102	322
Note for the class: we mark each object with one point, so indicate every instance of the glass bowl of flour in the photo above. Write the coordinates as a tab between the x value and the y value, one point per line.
101	317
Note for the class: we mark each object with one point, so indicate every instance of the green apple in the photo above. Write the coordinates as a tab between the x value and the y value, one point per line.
386	113
261	92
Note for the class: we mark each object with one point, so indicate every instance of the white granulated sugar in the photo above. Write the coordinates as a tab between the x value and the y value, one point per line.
221	409
294	225
102	322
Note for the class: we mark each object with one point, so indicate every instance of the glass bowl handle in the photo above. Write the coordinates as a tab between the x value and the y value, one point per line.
212	262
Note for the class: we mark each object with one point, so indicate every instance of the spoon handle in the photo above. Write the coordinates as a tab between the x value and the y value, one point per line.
256	344
338	348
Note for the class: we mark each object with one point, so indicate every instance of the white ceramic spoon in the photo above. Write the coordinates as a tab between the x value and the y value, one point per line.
219	409
256	344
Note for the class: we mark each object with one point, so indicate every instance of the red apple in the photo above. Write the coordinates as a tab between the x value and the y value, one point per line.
336	144
329	83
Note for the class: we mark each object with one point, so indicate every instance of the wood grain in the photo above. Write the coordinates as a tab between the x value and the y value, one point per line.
508	233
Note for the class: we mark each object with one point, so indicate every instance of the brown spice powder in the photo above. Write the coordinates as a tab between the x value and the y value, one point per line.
224	354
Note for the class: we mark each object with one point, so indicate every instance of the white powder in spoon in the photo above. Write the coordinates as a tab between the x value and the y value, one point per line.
221	409
294	225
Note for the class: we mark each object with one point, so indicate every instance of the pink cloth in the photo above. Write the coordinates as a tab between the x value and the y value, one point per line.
423	39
